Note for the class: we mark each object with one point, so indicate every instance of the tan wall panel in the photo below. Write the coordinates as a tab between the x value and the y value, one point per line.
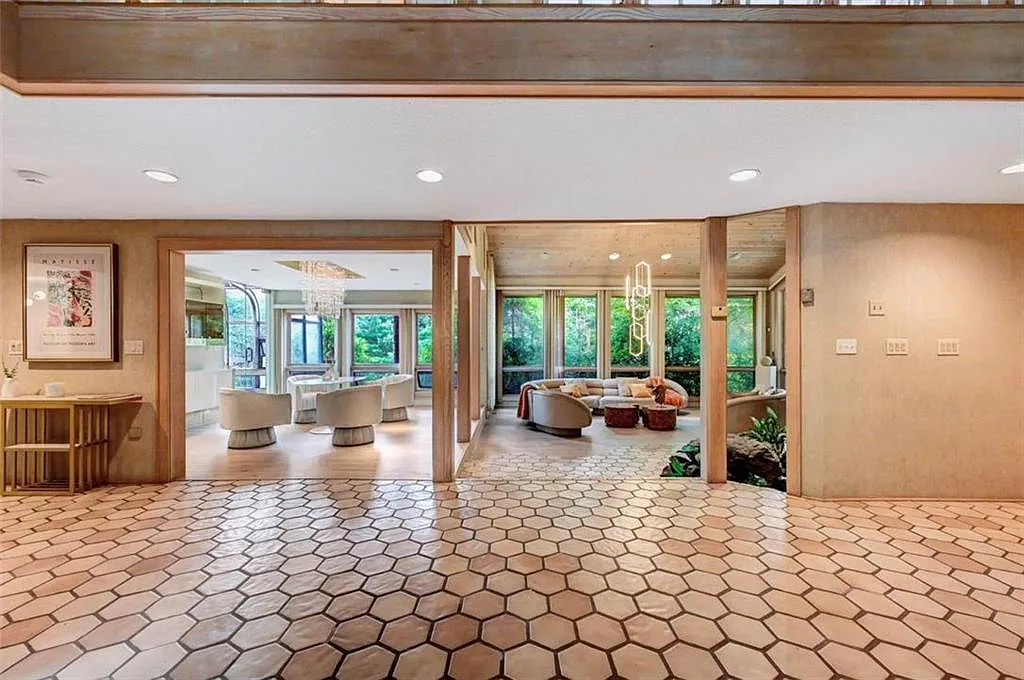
918	425
134	461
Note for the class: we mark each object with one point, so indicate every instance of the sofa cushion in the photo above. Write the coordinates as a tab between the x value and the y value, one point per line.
592	401
624	383
575	389
639	390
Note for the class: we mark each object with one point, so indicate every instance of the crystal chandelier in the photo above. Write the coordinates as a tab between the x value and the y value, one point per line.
638	302
323	287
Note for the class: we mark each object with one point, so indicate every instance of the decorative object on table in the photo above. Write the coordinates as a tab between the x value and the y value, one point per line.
773	371
323	285
351	412
70	302
621	415
10	386
54	389
638	302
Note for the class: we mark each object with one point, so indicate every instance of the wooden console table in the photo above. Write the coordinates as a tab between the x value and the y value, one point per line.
29	463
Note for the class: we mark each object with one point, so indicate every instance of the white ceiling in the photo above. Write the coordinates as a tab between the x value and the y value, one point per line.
413	268
503	159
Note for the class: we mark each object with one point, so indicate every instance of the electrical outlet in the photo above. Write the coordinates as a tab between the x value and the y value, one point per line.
134	433
897	346
949	347
14	348
876	308
133	347
846	346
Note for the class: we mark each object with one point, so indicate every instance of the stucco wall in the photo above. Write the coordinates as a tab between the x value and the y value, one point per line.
920	425
134	460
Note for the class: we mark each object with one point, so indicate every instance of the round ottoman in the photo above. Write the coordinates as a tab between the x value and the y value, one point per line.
626	415
660	418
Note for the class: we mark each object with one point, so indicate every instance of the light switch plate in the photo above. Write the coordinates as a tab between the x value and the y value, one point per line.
14	348
876	308
846	346
133	347
897	346
949	347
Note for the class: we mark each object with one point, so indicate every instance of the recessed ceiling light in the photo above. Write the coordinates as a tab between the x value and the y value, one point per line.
1015	169
392	269
429	176
666	256
417	284
545	255
161	176
744	175
255	269
735	256
614	256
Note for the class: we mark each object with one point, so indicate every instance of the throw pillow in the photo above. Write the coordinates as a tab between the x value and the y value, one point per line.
673	398
639	391
624	383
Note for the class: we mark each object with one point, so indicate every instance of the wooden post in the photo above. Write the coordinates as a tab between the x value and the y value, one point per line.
474	347
713	349
462	394
794	397
443	399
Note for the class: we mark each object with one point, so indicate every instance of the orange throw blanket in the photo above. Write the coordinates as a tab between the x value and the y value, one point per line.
523	410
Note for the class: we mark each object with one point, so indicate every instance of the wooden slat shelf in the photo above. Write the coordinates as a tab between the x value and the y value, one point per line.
63	447
32	463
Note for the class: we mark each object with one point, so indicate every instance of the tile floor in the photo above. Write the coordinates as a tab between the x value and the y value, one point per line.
510	449
477	579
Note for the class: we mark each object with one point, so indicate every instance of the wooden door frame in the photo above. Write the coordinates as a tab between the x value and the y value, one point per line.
792	343
170	454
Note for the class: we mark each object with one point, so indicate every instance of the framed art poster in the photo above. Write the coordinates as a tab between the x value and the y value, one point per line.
70	302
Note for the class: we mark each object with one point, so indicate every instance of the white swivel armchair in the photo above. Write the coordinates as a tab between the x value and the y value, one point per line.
251	417
399	394
352	413
304	389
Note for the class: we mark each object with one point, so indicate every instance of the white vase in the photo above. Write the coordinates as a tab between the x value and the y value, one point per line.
10	388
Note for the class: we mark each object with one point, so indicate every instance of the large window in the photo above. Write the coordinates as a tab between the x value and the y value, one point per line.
311	340
740	350
424	350
374	345
246	335
625	364
522	341
579	336
682	342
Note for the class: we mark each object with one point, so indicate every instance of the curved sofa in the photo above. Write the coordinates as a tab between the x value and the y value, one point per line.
741	408
558	413
601	392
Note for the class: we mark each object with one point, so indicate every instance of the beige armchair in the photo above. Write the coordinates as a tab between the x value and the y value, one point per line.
352	413
399	394
304	389
251	417
558	413
740	409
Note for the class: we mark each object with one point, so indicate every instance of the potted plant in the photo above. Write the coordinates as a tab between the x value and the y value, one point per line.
10	386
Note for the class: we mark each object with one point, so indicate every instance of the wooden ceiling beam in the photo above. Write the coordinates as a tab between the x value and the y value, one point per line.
546	51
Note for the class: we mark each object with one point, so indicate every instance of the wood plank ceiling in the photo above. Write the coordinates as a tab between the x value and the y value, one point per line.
576	253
